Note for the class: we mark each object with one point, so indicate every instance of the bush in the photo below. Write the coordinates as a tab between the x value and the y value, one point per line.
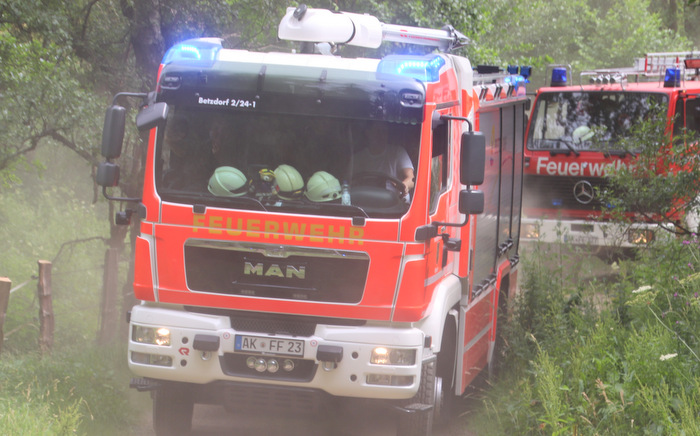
602	358
74	391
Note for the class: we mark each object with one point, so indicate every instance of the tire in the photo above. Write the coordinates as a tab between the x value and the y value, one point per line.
445	376
420	423
173	407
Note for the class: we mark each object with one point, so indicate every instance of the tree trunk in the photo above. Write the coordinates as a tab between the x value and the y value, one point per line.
673	15
147	37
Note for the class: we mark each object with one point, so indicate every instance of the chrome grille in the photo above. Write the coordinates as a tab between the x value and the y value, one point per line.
554	192
276	271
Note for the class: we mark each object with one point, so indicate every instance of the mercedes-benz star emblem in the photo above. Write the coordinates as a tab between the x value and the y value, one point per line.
583	191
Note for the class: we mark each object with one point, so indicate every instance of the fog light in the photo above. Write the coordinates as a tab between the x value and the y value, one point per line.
250	362
288	365
393	356
389	380
151	335
151	359
273	366
260	365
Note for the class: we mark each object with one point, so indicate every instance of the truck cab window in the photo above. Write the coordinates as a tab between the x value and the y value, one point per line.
296	162
687	115
439	164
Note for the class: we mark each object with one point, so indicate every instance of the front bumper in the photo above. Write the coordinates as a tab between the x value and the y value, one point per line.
588	233
202	349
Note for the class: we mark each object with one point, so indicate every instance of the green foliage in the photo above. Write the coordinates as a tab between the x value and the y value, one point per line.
21	417
663	182
623	32
583	33
621	358
49	217
40	96
79	390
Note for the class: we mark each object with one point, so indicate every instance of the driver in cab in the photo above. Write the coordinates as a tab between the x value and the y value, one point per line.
382	157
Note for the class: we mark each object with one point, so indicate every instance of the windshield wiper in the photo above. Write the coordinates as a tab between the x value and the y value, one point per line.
344	209
209	200
301	206
619	153
572	148
569	146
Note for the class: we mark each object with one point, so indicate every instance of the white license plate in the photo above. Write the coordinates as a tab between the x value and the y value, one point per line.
581	239
268	345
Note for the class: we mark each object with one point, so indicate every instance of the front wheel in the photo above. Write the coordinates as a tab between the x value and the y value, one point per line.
173	407
419	422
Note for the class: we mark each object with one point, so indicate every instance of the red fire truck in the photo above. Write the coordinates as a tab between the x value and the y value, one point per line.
571	144
274	261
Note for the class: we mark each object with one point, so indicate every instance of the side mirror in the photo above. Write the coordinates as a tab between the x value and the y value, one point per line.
472	159
107	174
152	116
113	132
471	202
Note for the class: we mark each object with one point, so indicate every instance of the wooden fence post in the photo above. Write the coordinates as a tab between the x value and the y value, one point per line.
5	285
46	318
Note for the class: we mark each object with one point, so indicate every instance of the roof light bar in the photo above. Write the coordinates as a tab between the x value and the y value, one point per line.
559	77
608	78
672	78
425	69
199	52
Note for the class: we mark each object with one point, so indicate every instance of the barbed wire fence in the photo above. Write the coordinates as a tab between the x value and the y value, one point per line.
42	300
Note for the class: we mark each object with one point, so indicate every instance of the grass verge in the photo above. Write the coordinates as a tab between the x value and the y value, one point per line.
73	391
601	357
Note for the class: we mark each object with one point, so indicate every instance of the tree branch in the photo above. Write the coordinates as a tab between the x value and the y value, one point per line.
73	146
77	241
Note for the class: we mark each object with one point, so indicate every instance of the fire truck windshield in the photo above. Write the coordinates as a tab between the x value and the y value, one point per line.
588	121
291	163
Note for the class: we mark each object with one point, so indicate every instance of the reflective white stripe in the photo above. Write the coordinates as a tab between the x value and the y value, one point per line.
477	337
439	275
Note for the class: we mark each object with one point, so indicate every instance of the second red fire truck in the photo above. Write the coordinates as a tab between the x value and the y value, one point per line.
572	138
272	269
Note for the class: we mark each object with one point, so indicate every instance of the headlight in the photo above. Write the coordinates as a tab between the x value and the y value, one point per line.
531	231
393	356
640	236
151	335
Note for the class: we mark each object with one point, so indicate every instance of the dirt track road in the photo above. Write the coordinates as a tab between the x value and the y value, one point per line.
350	418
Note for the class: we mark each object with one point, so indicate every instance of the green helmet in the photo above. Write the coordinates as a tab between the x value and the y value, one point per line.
228	182
582	133
290	184
322	186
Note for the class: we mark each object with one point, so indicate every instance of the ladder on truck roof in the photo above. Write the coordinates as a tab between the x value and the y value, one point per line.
650	67
655	64
324	26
